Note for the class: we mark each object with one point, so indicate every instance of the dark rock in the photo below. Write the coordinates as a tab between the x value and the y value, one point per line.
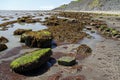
21	31
84	49
3	40
39	39
88	28
27	19
3	47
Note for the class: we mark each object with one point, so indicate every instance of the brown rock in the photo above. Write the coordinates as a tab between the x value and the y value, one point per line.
3	39
3	47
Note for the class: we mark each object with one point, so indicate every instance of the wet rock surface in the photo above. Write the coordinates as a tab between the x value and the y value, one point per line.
21	31
31	61
3	40
3	47
67	61
83	49
27	19
39	39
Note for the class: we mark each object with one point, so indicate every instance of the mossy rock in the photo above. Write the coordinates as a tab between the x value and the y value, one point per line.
101	28
21	31
3	47
30	61
39	39
67	61
108	29
114	32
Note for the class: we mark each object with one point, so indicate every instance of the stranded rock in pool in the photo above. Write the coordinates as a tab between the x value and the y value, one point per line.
84	50
38	39
32	60
67	61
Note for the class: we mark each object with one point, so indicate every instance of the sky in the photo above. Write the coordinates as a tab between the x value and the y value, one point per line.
31	4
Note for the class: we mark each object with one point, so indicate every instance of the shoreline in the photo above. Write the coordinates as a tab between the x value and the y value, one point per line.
97	12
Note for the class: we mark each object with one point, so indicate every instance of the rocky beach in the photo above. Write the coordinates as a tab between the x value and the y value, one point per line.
57	45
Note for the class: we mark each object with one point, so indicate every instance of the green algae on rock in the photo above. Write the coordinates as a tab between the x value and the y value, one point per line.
39	39
31	60
67	61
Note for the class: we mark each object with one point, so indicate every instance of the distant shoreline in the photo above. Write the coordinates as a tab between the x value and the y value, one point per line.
98	12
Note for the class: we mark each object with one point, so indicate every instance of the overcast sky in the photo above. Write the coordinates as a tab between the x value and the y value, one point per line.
31	4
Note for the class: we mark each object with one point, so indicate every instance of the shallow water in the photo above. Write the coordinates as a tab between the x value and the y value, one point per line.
95	38
14	40
13	15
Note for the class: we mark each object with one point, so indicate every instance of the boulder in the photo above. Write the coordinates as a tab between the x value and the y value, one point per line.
21	31
3	47
31	61
3	40
67	61
39	39
88	28
83	49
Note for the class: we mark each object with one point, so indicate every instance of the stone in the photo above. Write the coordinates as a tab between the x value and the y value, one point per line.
26	19
31	61
38	39
21	31
84	49
3	40
67	61
88	28
3	47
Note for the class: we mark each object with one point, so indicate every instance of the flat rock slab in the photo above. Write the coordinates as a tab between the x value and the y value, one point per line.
67	61
31	61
